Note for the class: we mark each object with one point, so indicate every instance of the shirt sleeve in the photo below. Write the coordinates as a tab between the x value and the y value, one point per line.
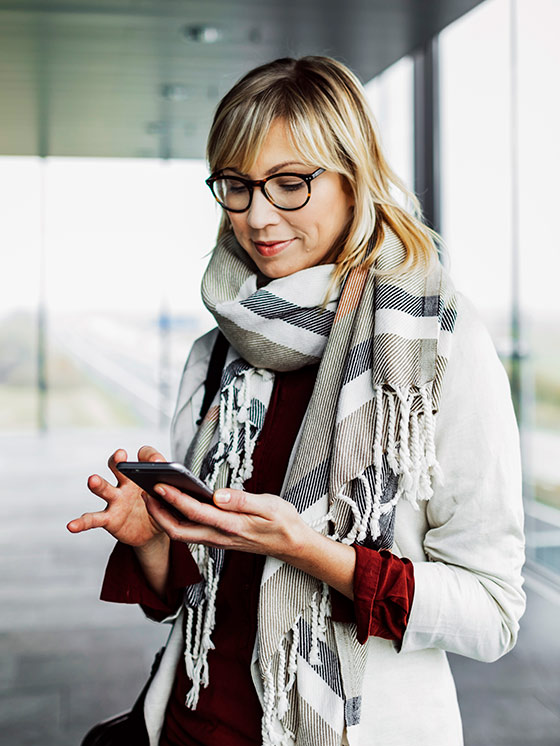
383	595
124	581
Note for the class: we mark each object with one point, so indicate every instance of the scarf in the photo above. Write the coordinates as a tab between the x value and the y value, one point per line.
366	442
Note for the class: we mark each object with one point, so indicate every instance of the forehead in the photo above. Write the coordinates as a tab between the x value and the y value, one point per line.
277	149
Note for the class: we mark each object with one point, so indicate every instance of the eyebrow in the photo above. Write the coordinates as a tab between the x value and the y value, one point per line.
270	171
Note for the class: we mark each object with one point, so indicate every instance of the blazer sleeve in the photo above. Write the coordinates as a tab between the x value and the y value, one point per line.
468	596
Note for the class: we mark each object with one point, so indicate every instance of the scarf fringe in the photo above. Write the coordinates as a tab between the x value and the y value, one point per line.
411	456
277	687
198	644
235	417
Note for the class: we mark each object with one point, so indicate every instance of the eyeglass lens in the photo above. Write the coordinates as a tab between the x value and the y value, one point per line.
283	190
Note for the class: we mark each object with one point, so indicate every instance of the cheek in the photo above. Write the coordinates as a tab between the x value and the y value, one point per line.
239	227
335	210
236	222
335	219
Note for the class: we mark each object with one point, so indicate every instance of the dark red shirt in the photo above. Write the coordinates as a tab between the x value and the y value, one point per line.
229	712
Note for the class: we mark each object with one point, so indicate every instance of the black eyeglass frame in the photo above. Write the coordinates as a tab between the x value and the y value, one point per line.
252	184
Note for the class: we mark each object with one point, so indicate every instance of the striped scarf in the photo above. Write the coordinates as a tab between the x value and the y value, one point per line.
367	441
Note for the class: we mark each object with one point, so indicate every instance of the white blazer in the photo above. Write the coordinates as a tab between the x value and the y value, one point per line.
466	544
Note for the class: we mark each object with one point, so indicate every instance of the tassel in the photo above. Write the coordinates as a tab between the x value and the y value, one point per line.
377	441
324	612
189	662
405	472
415	454
314	658
392	455
351	536
198	645
292	660
267	731
319	523
282	705
430	430
368	509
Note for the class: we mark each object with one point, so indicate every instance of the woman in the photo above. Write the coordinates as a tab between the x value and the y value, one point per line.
361	443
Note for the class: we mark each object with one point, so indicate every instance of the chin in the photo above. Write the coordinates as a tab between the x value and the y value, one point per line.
274	274
281	270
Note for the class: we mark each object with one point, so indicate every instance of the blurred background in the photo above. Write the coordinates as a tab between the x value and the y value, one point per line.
105	229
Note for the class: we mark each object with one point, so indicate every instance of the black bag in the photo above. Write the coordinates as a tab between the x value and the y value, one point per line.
129	727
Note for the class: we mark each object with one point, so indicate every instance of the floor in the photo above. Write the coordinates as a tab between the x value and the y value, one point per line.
68	660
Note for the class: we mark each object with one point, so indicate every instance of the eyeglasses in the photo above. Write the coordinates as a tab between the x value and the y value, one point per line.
286	191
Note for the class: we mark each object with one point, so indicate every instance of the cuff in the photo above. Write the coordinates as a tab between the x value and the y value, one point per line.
124	581
383	594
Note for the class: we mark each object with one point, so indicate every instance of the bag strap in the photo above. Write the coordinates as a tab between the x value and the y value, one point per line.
214	374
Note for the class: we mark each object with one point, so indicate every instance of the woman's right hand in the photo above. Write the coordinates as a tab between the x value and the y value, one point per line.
125	516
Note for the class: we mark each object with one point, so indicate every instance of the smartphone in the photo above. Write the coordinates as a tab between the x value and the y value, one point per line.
147	474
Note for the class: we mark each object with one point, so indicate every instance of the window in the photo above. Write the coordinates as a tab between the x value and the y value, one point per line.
390	95
124	247
485	161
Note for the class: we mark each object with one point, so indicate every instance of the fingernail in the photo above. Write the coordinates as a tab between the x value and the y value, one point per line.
160	490
222	496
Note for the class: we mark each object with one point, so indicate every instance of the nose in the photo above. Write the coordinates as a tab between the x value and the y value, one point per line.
261	212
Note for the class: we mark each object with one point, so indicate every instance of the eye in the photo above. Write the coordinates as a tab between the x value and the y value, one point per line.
289	183
234	186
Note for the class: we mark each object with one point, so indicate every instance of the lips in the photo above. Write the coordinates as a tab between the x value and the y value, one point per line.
271	248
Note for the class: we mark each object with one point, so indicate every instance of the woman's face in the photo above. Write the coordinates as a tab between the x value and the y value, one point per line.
282	242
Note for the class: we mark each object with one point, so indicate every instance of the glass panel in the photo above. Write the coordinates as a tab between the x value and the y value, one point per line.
475	161
480	228
125	242
539	165
391	96
20	187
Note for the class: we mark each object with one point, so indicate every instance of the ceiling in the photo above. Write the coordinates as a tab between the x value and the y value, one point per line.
123	78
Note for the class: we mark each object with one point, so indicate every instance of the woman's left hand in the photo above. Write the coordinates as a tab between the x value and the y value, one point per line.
261	524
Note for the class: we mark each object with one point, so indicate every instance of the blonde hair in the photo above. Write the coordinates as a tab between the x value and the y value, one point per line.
330	124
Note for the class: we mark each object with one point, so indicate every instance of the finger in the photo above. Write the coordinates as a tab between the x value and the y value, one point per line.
184	530
149	453
239	501
163	514
86	522
116	458
191	508
157	509
102	488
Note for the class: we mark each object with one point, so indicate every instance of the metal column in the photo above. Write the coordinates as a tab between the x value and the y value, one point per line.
41	70
427	177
